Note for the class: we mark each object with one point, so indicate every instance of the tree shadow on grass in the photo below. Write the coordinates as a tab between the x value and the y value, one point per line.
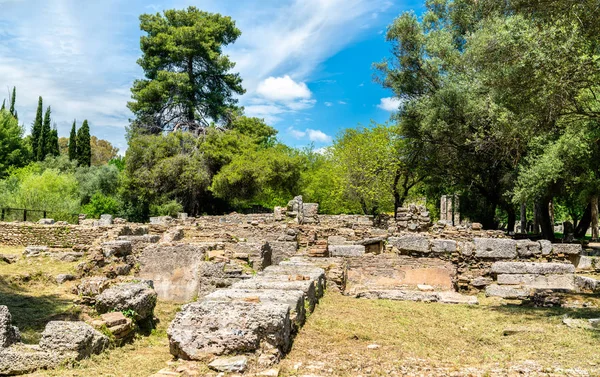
31	312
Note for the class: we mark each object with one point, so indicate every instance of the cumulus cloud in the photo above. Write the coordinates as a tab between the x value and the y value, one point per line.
390	104
317	136
283	89
328	104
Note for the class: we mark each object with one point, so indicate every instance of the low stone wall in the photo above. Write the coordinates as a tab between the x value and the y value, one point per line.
64	236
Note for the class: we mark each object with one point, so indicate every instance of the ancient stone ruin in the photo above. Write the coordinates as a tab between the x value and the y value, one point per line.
248	282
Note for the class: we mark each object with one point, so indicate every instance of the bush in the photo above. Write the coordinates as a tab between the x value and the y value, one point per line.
101	204
170	208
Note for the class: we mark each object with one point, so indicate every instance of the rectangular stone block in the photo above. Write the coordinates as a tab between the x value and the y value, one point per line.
441	246
527	248
495	248
562	282
567	248
410	243
315	274
282	250
346	250
507	291
260	282
532	268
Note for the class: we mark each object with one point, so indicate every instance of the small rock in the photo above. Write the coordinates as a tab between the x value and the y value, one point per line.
229	364
46	221
114	319
62	278
425	288
373	346
273	372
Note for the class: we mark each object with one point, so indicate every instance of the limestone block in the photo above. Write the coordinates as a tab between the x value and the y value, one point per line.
306	286
22	359
586	284
92	286
466	248
346	250
586	263
562	282
527	248
8	334
567	248
290	272
507	291
78	337
441	246
137	297
34	251
336	240
234	364
116	248
450	297
282	250
410	243
206	328
495	248
532	268
546	247
106	220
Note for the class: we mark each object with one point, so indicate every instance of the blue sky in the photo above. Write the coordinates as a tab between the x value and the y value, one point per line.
306	64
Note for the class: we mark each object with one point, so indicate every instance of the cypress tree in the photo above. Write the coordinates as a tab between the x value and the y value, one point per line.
3	105
52	147
44	140
84	148
13	99
73	143
36	130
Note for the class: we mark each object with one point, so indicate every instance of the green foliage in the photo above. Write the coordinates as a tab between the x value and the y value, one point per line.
84	148
187	82
45	141
93	180
73	143
13	99
100	204
36	130
167	208
13	149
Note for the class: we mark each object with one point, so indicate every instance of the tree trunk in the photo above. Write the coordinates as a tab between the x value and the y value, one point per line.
551	211
536	219
523	218
594	204
584	223
397	203
512	219
544	219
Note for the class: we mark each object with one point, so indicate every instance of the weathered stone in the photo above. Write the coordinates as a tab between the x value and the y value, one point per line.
476	226
294	299
450	297
161	220
545	246
336	240
306	286
562	282
346	250
113	319
69	256
290	272
532	268
441	246
35	251
116	248
207	328
46	221
586	263
466	248
399	295
587	284
21	359
567	248
7	258
78	337
495	248
527	248
172	235
137	297
106	220
92	286
481	281
410	243
234	364
507	291
259	253
182	216
8	334
63	278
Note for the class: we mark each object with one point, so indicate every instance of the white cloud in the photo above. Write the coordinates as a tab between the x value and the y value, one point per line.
328	104
342	103
390	104
283	89
317	136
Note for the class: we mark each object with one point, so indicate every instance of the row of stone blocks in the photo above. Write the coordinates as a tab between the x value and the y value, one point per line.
492	248
258	315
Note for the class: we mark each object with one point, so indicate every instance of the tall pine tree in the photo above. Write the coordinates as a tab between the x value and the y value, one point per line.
73	143
84	148
44	141
36	130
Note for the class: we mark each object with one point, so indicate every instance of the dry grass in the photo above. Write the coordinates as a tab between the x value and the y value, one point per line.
33	266
336	337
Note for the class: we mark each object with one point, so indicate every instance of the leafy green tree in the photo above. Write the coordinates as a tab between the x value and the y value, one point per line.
84	148
13	148
100	204
36	130
188	82
102	151
73	143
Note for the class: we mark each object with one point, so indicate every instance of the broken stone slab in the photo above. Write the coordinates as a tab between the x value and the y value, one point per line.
92	286
9	334
137	297
442	246
206	328
63	278
399	295
410	243
35	250
507	291
118	248
346	250
567	248
21	359
77	337
532	268
587	284
306	286
294	299
449	297
495	248
559	282
527	248
234	364
315	273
